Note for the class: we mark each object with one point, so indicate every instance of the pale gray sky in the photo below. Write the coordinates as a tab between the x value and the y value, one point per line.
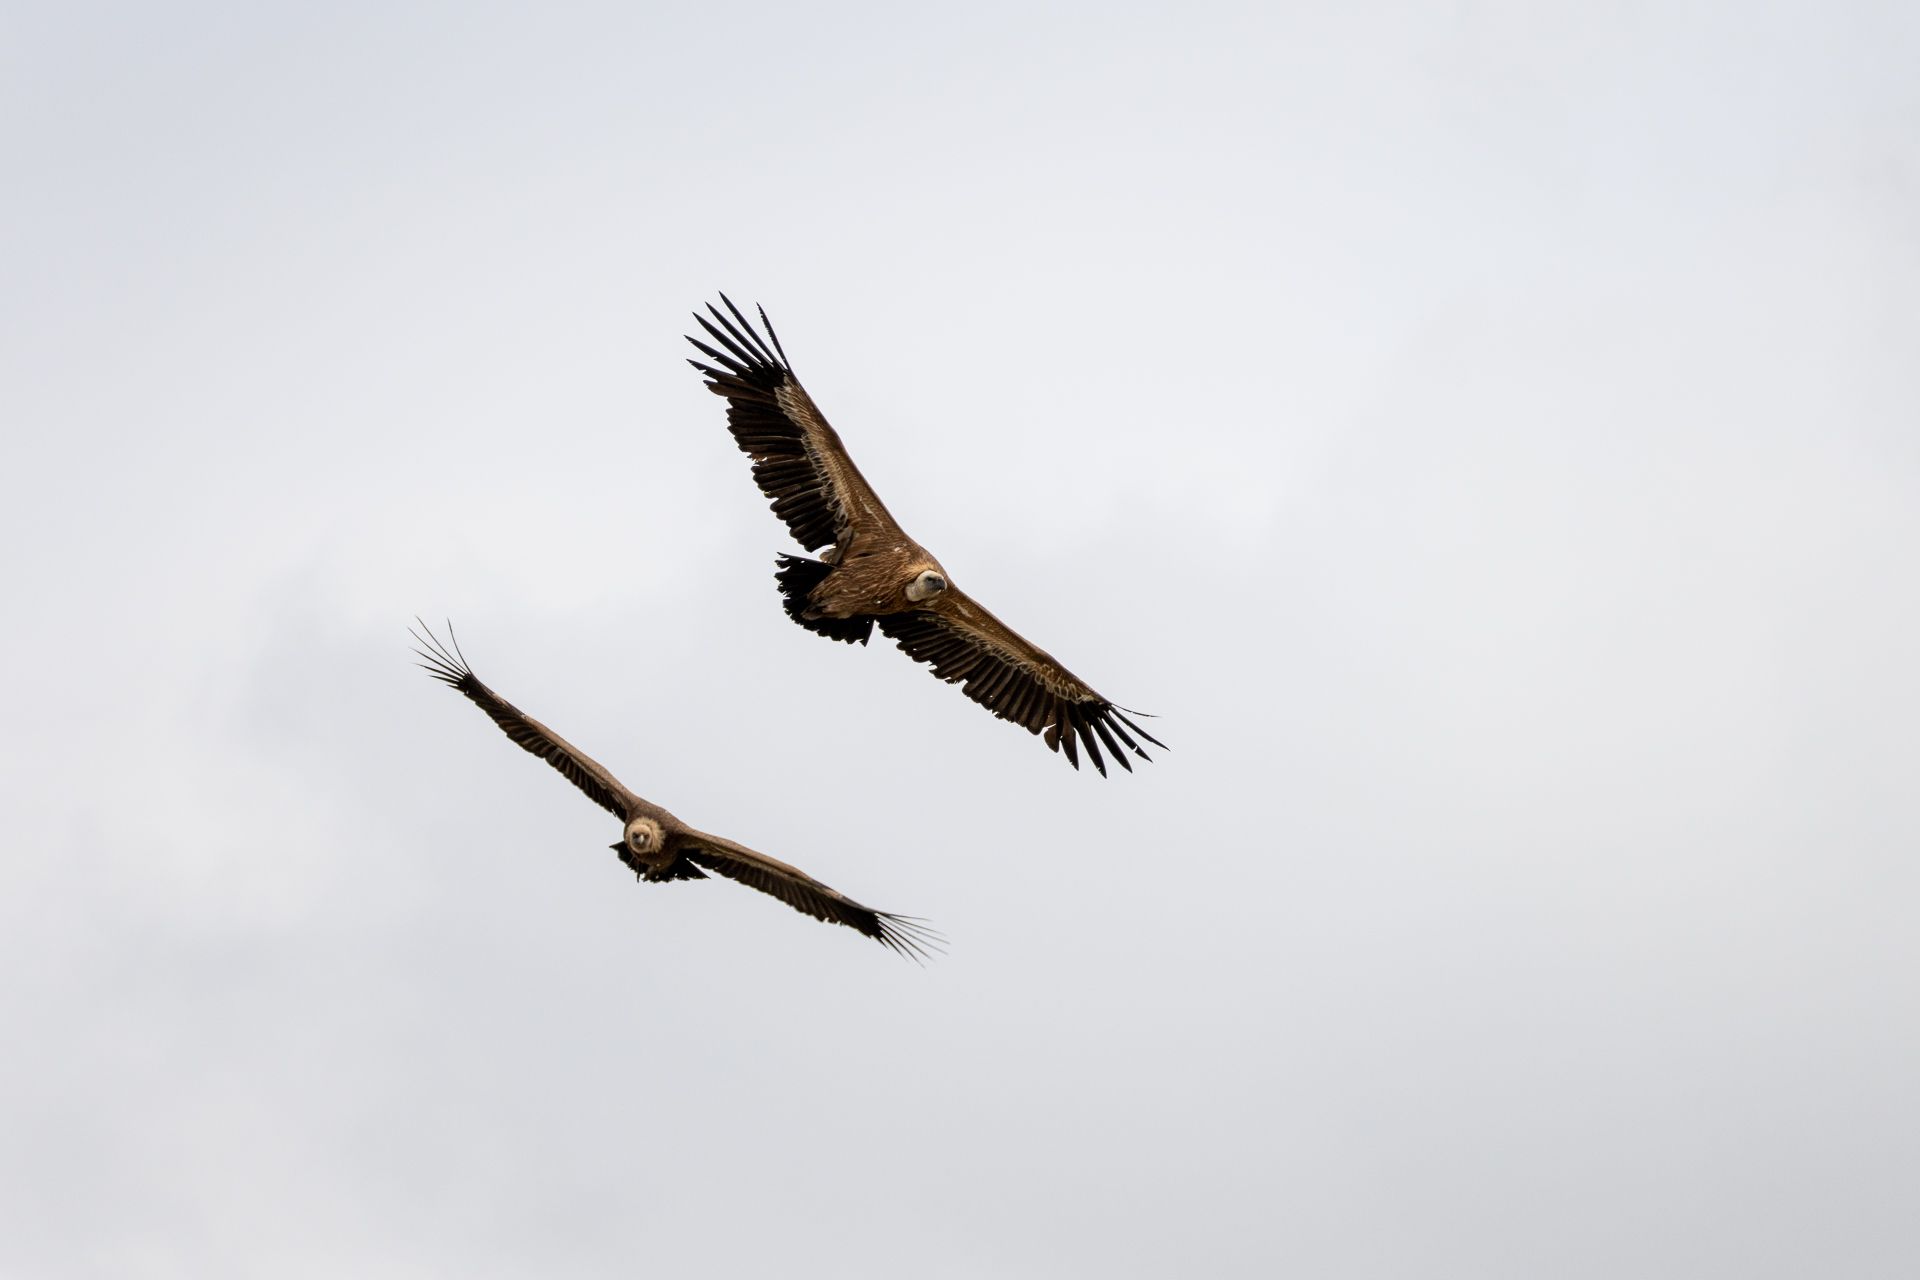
1485	433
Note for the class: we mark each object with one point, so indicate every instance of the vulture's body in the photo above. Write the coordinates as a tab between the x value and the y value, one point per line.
872	574
655	844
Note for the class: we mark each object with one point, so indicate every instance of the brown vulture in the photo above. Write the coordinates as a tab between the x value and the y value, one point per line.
657	845
874	574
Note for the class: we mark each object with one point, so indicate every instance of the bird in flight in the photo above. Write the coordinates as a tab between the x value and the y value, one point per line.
875	575
655	844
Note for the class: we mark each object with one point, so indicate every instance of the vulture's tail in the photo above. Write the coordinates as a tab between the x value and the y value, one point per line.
798	576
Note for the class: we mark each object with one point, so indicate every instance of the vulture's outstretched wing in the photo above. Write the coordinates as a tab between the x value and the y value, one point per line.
962	642
804	894
449	666
798	460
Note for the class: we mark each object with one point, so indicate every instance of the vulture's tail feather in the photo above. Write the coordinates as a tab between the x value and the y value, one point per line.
798	576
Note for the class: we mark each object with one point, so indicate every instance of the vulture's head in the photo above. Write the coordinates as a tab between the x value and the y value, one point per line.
926	584
643	839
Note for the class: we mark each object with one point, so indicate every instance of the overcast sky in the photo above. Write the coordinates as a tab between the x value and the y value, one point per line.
1487	435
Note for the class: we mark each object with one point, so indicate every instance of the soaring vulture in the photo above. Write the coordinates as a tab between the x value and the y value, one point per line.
874	574
657	845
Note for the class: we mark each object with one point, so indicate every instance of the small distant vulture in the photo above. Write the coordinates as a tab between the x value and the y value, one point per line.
874	573
657	845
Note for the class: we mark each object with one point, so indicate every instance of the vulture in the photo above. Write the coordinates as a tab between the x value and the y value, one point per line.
655	844
873	574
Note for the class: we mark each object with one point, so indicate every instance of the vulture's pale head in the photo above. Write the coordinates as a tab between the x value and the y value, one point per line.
643	837
926	584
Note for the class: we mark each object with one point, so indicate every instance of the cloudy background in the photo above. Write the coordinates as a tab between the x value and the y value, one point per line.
1485	435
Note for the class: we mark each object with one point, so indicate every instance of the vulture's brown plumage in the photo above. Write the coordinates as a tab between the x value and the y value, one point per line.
874	574
655	844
